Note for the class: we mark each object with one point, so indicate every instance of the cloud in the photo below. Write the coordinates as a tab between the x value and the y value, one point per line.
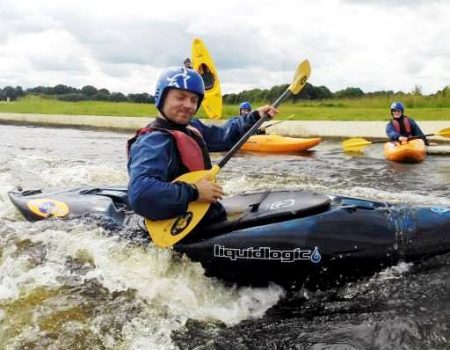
374	45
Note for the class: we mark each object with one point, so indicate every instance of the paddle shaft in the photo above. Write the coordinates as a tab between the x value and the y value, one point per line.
409	138
251	131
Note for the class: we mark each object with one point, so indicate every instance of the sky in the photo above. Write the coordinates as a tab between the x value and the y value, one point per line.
124	45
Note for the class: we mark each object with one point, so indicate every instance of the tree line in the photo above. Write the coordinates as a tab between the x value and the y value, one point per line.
90	93
311	92
67	93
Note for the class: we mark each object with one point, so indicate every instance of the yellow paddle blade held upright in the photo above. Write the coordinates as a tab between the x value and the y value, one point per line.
165	233
302	74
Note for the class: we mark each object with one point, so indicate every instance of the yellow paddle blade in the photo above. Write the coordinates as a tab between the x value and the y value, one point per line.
355	145
444	132
165	233
302	74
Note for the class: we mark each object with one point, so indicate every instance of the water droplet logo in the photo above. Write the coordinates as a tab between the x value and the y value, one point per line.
439	210
315	256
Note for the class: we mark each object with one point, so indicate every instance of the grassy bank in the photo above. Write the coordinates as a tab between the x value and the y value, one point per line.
419	107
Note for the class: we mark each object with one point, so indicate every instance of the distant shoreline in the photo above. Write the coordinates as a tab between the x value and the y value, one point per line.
296	128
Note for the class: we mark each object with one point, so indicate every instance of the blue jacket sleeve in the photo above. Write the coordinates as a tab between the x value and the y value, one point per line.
223	138
391	133
151	167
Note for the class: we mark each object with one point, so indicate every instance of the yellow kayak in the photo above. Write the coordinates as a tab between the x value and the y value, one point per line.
204	65
412	152
278	144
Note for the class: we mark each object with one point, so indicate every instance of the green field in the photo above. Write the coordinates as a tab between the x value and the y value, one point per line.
419	107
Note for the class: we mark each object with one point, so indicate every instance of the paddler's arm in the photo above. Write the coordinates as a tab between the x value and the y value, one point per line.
222	138
391	133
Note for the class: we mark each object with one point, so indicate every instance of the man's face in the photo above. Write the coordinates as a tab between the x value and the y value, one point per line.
180	106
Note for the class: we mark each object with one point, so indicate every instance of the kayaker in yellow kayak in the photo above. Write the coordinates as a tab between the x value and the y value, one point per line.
402	127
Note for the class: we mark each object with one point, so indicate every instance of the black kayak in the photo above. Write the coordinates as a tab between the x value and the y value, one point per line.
289	237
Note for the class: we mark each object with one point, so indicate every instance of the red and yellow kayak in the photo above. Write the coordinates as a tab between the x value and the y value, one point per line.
412	152
278	144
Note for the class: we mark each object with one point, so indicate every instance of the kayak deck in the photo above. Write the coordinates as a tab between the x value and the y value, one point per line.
412	152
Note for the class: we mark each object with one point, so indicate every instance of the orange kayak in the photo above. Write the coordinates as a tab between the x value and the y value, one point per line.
278	143
412	152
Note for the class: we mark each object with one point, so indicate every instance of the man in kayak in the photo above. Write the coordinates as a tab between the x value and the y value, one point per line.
402	127
175	144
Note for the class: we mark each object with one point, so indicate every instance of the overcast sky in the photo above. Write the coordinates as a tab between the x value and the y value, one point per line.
124	45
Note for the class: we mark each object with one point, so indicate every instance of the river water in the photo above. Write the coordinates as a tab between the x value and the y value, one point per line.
72	285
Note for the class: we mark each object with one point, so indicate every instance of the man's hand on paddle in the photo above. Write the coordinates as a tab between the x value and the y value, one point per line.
209	191
271	111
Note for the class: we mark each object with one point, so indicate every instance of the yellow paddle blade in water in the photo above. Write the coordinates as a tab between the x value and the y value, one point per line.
355	145
165	233
444	132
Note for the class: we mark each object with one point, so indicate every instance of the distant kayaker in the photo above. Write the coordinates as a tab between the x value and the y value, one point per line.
402	127
244	109
187	63
175	144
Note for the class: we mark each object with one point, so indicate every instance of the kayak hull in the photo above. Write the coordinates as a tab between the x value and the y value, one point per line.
278	144
204	64
292	238
412	152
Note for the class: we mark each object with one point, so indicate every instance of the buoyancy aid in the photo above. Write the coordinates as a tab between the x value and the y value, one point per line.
402	126
189	142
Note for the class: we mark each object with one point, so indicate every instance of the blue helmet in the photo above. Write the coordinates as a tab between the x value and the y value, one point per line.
179	78
245	105
397	105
